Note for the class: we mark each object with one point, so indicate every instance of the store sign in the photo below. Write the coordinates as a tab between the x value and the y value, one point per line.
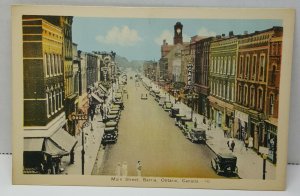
189	74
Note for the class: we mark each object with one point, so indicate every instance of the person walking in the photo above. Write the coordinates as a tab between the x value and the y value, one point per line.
139	168
118	169
124	171
232	145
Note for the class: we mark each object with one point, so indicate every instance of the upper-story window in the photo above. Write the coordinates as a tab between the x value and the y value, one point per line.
241	66
253	68
233	66
247	66
225	65
229	66
271	104
260	99
262	62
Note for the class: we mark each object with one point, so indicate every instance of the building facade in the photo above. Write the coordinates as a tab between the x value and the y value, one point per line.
256	86
223	54
202	54
45	136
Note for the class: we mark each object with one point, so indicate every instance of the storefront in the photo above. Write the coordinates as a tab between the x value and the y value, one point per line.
271	140
240	125
42	154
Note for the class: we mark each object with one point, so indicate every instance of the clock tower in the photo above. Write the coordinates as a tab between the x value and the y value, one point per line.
177	33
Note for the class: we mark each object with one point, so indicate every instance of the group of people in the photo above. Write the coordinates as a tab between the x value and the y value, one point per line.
122	169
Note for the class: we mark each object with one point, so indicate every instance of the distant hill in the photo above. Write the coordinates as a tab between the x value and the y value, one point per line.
124	63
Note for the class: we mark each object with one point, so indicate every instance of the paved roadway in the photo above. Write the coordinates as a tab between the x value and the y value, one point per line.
148	134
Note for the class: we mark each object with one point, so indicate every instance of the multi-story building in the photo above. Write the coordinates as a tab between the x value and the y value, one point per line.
151	70
45	136
202	54
257	83
223	55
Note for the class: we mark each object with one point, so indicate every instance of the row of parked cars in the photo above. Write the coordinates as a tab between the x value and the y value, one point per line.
222	163
112	118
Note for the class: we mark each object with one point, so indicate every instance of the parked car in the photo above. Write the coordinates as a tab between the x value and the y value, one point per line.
197	135
173	112
120	104
225	164
144	96
167	105
161	101
111	117
178	117
157	97
111	123
183	120
110	135
187	128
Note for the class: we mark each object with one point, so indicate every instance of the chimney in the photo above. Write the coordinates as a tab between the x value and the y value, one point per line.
245	32
223	35
231	34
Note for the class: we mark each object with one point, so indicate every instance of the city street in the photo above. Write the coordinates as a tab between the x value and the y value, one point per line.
149	135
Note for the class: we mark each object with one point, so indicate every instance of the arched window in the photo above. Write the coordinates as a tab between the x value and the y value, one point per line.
229	66
245	101
262	67
253	70
260	98
252	96
233	66
271	104
273	76
50	103
247	66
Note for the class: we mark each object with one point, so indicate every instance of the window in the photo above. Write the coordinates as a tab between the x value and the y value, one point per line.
245	101
252	96
253	70
247	66
228	92
57	99
273	76
50	103
221	66
53	102
225	65
49	65
262	67
241	66
271	106
260	99
229	66
52	65
232	92
224	91
233	66
240	93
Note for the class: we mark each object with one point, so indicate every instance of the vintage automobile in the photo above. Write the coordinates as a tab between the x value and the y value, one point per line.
110	135
178	117
111	117
112	123
187	128
173	112
157	97
144	96
197	135
119	103
154	92
167	105
225	163
183	120
161	101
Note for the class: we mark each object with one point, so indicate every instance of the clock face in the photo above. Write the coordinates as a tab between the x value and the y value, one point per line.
178	31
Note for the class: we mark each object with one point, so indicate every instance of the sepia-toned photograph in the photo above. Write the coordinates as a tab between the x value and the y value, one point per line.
142	97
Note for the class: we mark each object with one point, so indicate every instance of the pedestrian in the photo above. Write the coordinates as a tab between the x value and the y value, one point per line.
246	141
204	120
232	145
195	124
139	168
225	132
118	169
124	169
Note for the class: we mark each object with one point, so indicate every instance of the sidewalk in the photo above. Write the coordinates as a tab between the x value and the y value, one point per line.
250	164
91	147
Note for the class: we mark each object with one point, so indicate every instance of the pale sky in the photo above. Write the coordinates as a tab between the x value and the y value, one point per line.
140	39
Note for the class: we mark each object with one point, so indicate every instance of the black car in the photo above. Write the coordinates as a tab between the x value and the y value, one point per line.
225	163
173	112
197	135
178	118
183	120
110	135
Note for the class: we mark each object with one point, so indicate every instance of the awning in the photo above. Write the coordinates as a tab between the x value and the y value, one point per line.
33	144
63	140
53	149
98	99
103	88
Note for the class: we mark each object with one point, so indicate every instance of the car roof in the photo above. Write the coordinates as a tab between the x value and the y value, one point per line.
109	128
227	155
198	129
